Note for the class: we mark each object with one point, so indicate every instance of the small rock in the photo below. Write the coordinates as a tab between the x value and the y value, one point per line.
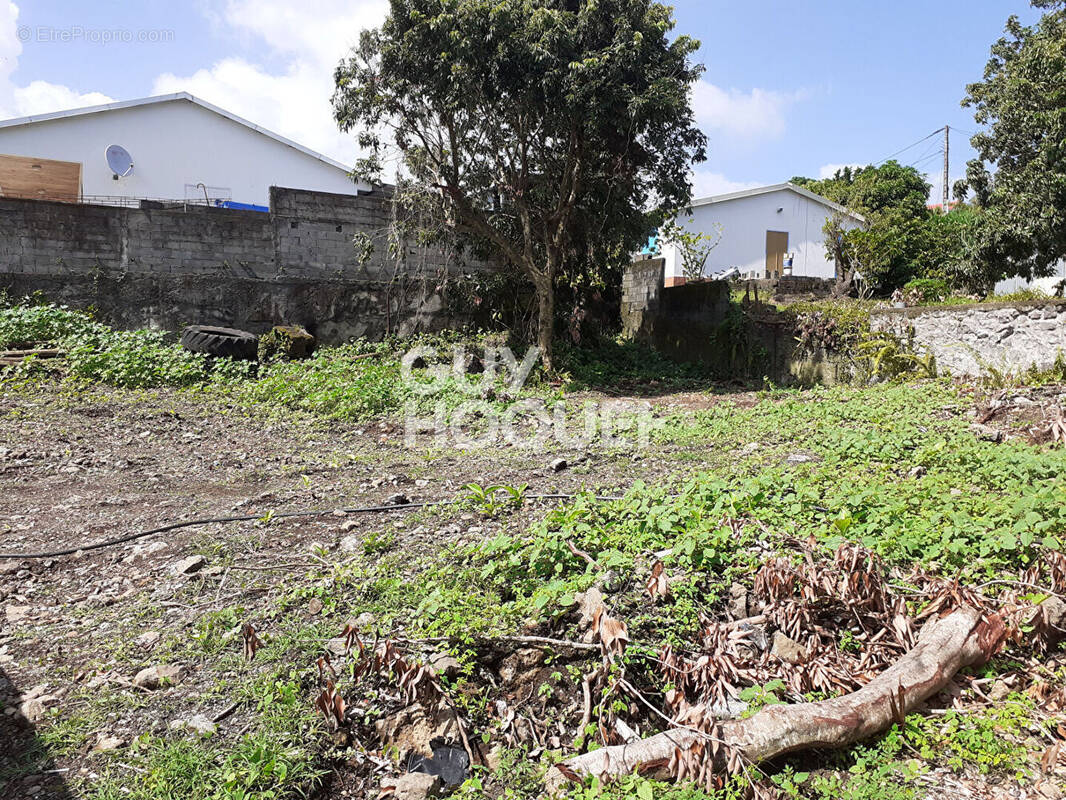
104	743
494	758
999	691
148	639
398	499
158	676
522	666
587	604
364	621
986	432
34	709
558	465
799	458
416	786
738	601
1054	610
916	472
444	665
40	690
314	606
190	565
413	729
198	724
351	544
17	613
788	650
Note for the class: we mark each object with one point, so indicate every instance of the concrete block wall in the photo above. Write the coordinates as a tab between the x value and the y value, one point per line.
171	266
971	339
642	286
697	322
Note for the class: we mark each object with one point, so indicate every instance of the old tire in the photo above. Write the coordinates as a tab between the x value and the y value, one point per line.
226	342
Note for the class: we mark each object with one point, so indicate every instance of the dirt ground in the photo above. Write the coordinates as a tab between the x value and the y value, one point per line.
76	469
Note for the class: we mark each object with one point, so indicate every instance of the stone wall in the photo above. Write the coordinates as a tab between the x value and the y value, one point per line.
697	322
170	266
971	339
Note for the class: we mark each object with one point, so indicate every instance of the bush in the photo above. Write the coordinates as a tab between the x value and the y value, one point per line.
338	382
95	352
836	326
1023	295
922	291
33	324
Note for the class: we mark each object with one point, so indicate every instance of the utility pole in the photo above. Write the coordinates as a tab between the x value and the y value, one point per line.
947	148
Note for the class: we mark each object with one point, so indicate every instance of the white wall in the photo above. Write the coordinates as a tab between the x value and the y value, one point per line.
1049	285
173	144
746	220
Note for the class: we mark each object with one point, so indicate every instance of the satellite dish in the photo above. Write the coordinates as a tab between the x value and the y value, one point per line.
119	160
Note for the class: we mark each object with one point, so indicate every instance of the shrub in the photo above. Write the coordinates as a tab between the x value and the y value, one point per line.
1022	295
31	324
923	291
836	326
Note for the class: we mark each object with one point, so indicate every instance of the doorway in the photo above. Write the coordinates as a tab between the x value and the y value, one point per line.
776	247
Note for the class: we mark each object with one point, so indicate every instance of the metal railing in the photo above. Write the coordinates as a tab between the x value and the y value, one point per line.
118	201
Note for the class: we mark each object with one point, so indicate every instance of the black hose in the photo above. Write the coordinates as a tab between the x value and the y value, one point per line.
252	517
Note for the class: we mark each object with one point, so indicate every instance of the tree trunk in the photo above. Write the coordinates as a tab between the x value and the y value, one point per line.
963	638
546	321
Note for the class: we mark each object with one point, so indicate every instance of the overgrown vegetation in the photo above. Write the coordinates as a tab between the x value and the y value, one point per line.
892	468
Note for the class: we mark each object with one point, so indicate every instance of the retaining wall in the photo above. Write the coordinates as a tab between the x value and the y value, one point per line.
170	266
972	339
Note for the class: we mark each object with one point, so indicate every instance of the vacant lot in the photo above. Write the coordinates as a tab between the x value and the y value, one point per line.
188	663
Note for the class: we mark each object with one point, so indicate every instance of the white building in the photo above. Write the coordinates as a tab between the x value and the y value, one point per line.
180	147
1049	285
761	230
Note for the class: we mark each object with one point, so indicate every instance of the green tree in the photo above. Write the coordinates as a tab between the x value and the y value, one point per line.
874	189
892	247
1019	176
548	129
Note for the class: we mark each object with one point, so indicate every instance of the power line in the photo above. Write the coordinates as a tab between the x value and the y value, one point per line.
908	147
937	148
936	154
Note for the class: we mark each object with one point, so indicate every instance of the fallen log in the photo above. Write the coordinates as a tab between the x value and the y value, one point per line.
39	353
963	638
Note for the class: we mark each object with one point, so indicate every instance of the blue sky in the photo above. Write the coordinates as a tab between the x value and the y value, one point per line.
790	89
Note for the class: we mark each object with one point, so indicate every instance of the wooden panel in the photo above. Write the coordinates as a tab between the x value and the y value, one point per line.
40	178
776	247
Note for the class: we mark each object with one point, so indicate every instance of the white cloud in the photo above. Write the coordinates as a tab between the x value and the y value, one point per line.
295	103
291	95
829	170
757	114
293	100
708	184
38	97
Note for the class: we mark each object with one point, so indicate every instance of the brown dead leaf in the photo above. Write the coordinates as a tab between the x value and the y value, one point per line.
613	633
251	641
657	585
